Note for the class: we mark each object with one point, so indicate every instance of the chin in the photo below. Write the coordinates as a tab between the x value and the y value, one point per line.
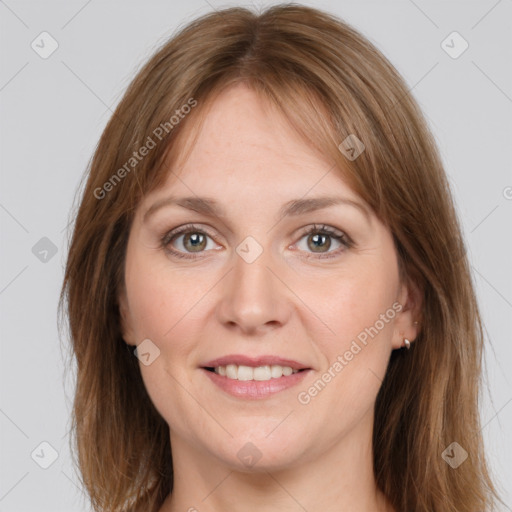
259	453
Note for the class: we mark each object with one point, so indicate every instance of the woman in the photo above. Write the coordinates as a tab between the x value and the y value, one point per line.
269	300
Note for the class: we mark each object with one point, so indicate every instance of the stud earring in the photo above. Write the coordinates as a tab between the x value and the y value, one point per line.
407	343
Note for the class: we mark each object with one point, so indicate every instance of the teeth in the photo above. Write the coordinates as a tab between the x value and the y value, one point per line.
262	373
235	372
287	371
276	371
232	371
245	373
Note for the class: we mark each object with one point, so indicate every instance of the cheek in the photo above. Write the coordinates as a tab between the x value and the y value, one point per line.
162	309
353	301
357	308
159	298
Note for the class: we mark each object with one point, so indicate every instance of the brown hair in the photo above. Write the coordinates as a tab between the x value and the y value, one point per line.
330	82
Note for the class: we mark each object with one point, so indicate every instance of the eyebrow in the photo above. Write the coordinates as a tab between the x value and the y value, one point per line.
295	207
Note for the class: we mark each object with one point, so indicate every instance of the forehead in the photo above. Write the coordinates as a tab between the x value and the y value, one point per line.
244	141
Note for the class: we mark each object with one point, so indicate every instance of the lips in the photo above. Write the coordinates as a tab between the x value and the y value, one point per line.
242	360
254	377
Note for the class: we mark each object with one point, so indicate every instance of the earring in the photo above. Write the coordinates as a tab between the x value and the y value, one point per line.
407	343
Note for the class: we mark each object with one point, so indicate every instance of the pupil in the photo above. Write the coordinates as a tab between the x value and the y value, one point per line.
320	238
196	240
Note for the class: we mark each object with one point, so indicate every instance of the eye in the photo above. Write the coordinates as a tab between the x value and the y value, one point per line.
319	241
186	239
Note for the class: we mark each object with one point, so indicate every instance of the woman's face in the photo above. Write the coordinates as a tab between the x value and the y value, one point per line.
250	293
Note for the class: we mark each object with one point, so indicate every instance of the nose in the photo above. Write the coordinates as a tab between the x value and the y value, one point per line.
254	298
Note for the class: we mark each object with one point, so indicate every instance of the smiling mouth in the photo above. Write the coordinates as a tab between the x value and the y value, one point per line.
250	373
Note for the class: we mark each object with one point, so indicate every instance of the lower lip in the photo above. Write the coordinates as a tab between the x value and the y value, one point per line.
255	389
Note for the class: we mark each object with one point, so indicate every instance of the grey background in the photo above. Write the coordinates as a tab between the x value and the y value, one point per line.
52	112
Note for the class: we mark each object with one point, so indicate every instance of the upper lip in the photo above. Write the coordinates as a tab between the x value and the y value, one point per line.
269	360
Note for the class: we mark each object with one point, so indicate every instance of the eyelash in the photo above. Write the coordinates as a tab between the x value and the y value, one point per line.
339	236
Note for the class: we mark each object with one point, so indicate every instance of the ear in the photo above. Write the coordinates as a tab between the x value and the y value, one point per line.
408	319
125	319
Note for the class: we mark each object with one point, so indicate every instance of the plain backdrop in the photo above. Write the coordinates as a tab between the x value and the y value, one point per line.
54	109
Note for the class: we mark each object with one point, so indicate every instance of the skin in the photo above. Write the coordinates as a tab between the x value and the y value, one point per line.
314	456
